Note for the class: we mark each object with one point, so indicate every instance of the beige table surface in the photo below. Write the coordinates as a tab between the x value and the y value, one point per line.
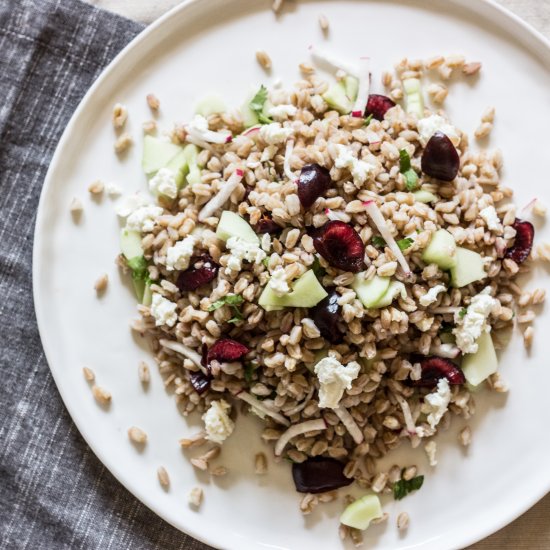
532	530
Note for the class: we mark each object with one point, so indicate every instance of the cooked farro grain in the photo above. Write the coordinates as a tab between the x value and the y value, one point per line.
471	68
431	450
260	464
96	187
163	477
483	130
465	436
153	102
195	497
101	395
123	143
88	374
218	471
149	127
137	435
403	521
101	283
323	23
528	334
120	114
76	207
144	374
263	59
539	209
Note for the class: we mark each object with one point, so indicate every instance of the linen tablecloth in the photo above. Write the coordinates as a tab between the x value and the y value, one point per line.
54	493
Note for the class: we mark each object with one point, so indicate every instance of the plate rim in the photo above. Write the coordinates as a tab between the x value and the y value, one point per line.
487	529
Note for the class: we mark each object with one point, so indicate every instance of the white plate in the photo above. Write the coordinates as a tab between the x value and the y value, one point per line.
209	46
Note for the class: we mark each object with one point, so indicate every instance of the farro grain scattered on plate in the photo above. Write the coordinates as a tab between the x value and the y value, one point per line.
403	521
101	283
143	372
263	59
76	206
96	187
123	143
120	115
260	464
149	127
137	435
163	477
195	497
465	436
324	22
101	395
153	102
89	374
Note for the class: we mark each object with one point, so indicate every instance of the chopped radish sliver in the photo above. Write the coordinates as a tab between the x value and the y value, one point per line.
298	429
258	405
374	212
222	196
445	309
349	422
199	142
288	154
364	86
184	350
445	350
198	129
409	422
327	58
251	131
529	206
302	405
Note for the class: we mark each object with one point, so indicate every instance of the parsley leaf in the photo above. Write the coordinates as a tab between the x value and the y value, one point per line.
257	105
230	300
318	269
378	241
138	265
265	261
404	161
411	177
403	244
405	486
367	120
462	312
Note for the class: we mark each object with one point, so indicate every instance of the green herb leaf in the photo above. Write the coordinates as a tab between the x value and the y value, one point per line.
462	312
378	241
257	105
138	265
318	269
405	486
368	119
248	373
403	244
265	261
404	161
411	179
231	300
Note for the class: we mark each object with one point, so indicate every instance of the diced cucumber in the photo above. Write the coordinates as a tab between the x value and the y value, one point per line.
361	512
194	175
413	96
250	118
210	105
232	225
468	269
395	289
139	289
480	365
441	250
147	294
180	167
130	243
337	98
267	107
351	85
157	153
370	292
424	196
306	292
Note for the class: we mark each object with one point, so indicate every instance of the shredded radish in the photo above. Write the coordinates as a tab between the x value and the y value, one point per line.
300	407
251	131
349	422
445	309
529	206
360	104
409	422
258	405
199	142
197	129
445	350
340	216
298	429
374	212
184	350
288	153
322	57
222	196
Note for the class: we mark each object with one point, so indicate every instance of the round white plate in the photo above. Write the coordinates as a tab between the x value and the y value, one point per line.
208	46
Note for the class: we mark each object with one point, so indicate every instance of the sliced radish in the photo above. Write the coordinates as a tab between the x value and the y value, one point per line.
298	429
374	212
349	422
199	142
259	406
407	415
252	130
360	104
302	405
222	196
288	154
184	350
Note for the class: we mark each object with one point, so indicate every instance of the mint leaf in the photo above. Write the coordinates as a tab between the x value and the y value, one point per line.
403	487
257	105
411	179
404	161
231	300
462	312
318	269
378	241
403	244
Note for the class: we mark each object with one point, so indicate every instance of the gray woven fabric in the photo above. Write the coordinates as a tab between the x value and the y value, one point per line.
54	493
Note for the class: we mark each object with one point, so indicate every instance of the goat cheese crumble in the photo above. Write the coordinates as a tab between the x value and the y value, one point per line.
428	126
436	403
178	256
217	423
489	215
282	112
131	203
346	159
144	218
431	296
164	183
278	282
470	326
334	379
163	310
275	133
242	250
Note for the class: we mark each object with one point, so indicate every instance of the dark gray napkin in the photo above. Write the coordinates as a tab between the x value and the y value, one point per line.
54	493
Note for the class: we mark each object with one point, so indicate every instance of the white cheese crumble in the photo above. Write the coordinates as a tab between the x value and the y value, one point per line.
470	326
130	203
113	190
217	423
266	242
144	218
274	133
282	112
178	256
436	403
346	159
428	126
278	282
164	183
431	449
199	123
431	296
163	310
489	215
242	250
334	378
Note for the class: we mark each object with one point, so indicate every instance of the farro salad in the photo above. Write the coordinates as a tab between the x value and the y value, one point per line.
335	261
